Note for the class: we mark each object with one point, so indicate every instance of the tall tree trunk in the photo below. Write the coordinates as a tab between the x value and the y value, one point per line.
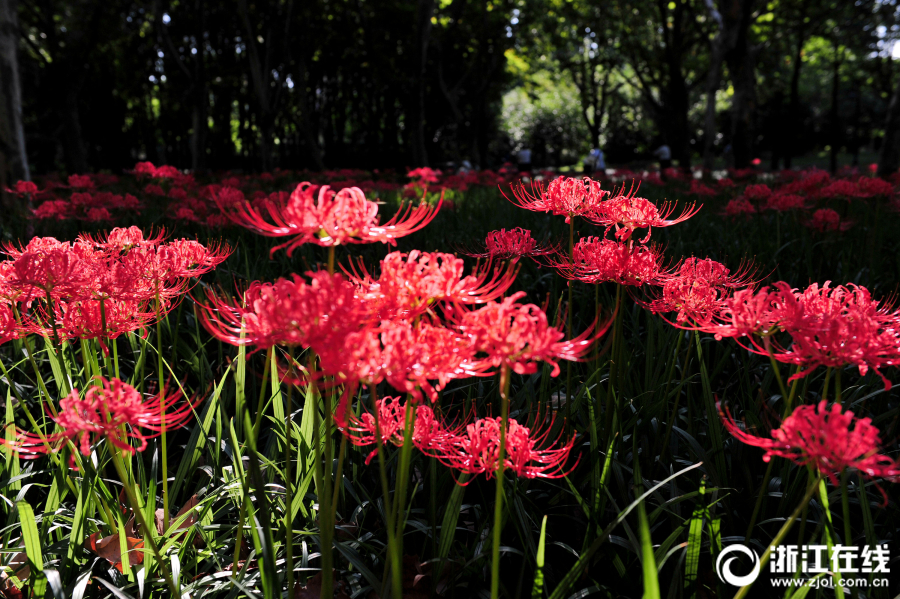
889	159
835	112
305	121
794	106
73	141
13	160
424	12
713	78
740	59
677	104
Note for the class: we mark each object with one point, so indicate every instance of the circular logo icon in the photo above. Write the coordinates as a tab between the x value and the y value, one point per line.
723	566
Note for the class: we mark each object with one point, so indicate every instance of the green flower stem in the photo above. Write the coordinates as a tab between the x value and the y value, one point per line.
164	447
768	475
326	528
393	563
671	421
57	346
242	516
409	420
785	528
139	516
571	317
288	479
828	533
30	352
501	467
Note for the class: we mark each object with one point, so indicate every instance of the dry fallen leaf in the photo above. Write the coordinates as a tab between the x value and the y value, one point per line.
108	549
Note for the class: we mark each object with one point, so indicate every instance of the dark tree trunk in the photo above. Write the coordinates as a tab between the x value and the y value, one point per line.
676	109
307	134
835	110
889	159
13	160
740	59
713	79
424	12
794	105
73	142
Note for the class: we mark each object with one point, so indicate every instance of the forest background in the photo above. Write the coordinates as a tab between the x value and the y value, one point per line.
252	85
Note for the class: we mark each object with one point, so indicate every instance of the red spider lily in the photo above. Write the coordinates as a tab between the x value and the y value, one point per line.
739	206
54	273
23	188
409	284
113	410
839	189
187	258
477	451
747	312
157	172
825	438
828	326
82	181
414	358
329	219
598	260
826	219
290	312
783	202
123	239
564	196
869	187
424	175
95	319
757	192
700	189
519	336
510	245
428	434
836	326
698	290
9	328
626	212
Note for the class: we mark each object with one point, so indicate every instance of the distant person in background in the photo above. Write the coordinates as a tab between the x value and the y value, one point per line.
664	153
523	158
599	162
594	162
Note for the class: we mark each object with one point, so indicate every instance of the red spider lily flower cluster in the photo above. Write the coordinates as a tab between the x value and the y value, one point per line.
739	207
100	287
598	260
564	196
328	218
828	439
626	212
828	326
472	448
698	291
510	245
518	336
419	357
409	284
289	312
429	434
112	410
477	450
826	219
424	175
